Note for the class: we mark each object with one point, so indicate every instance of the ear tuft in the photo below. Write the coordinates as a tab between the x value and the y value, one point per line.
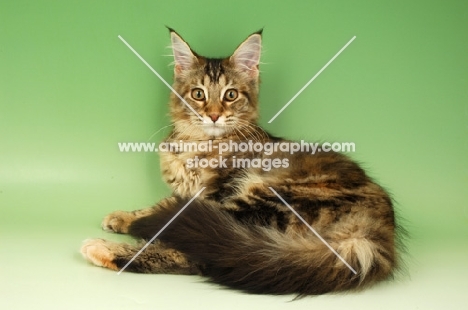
247	55
184	58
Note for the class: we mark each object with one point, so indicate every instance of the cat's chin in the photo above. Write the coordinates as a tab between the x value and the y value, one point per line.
214	131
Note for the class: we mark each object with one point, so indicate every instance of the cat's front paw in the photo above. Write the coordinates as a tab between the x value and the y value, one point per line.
118	222
99	252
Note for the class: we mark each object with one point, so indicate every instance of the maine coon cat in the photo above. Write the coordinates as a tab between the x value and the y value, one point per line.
237	232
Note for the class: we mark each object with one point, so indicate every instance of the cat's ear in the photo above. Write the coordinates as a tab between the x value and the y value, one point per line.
184	57
247	55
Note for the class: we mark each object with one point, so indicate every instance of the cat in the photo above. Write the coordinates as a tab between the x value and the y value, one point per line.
238	233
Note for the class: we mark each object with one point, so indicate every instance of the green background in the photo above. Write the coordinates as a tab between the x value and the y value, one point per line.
70	90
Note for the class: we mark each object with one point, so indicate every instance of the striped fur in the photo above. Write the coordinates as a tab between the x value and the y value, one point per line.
237	232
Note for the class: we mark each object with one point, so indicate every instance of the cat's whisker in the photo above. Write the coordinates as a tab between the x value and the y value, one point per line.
194	122
242	134
151	137
264	134
234	127
174	131
177	126
255	134
248	132
235	132
187	128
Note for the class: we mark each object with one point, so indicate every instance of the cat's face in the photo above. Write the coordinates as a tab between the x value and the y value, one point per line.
223	92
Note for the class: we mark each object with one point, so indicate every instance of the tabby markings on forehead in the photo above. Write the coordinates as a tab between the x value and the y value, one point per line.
214	69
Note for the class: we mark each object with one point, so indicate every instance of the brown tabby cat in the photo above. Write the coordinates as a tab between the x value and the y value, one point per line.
237	232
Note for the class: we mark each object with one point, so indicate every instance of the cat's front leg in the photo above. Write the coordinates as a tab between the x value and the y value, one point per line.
155	259
120	221
184	180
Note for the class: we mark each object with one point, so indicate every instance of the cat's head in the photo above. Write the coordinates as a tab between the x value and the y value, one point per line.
222	91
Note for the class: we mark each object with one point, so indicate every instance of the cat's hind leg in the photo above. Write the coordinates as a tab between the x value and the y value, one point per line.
154	259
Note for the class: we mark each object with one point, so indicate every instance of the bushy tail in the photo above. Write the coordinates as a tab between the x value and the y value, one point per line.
263	260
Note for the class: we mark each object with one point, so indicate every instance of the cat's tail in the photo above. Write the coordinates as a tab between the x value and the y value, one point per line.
263	260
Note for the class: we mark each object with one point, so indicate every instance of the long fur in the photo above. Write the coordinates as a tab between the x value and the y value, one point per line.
258	259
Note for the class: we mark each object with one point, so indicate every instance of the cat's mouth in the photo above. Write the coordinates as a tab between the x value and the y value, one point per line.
214	129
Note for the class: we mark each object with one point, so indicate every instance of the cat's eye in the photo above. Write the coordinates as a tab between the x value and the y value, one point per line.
231	95
198	94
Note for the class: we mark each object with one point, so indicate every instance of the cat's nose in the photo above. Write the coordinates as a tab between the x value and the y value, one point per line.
214	117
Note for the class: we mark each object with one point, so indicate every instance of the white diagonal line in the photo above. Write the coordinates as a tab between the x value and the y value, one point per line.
312	79
313	230
161	230
161	78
